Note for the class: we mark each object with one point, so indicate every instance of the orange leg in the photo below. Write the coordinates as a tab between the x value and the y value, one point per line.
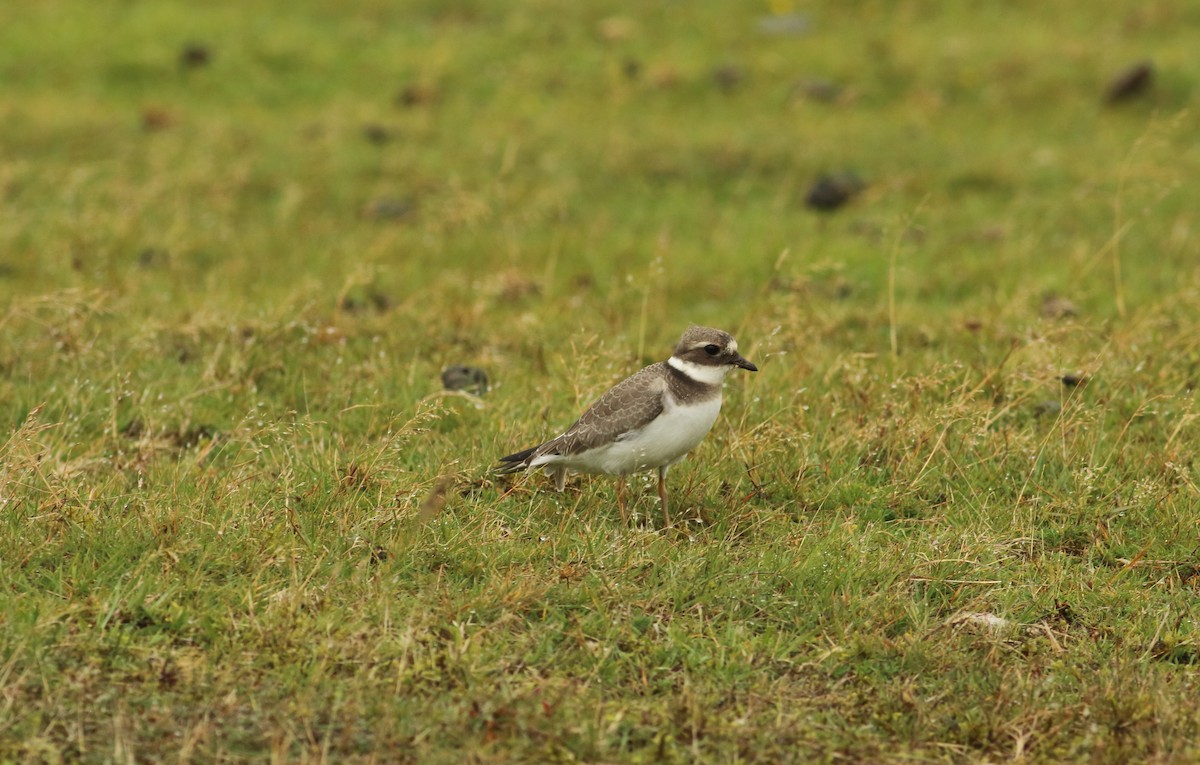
621	499
662	494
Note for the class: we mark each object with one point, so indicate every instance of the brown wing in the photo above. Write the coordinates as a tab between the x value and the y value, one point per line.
626	408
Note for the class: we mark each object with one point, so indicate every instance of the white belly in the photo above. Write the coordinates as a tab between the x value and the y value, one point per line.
664	441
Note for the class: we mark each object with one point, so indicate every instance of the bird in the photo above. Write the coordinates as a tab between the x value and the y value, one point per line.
648	421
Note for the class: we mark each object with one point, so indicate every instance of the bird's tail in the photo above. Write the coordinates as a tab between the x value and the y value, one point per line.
515	463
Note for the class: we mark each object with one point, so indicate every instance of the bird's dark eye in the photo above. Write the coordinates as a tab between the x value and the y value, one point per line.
712	350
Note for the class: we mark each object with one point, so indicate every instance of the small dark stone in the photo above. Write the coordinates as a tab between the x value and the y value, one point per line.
817	89
195	55
357	301
1074	380
1131	82
830	192
728	77
461	377
376	134
156	118
416	95
152	257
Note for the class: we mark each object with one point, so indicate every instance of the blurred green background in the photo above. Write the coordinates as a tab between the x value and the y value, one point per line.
952	518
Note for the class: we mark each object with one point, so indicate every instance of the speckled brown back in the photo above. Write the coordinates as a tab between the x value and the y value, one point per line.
629	406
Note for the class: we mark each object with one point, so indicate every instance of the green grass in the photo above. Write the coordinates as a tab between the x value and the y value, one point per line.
240	522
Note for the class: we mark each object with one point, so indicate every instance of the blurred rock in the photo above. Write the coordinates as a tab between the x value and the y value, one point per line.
1131	82
152	257
817	89
358	301
194	55
728	77
1058	307
417	94
465	378
631	68
829	192
155	118
376	133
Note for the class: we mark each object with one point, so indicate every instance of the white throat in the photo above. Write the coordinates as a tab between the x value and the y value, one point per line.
700	372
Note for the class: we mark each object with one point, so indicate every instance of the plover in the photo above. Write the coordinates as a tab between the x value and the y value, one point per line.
649	421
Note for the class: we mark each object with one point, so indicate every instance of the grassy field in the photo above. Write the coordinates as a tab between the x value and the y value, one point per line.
953	518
